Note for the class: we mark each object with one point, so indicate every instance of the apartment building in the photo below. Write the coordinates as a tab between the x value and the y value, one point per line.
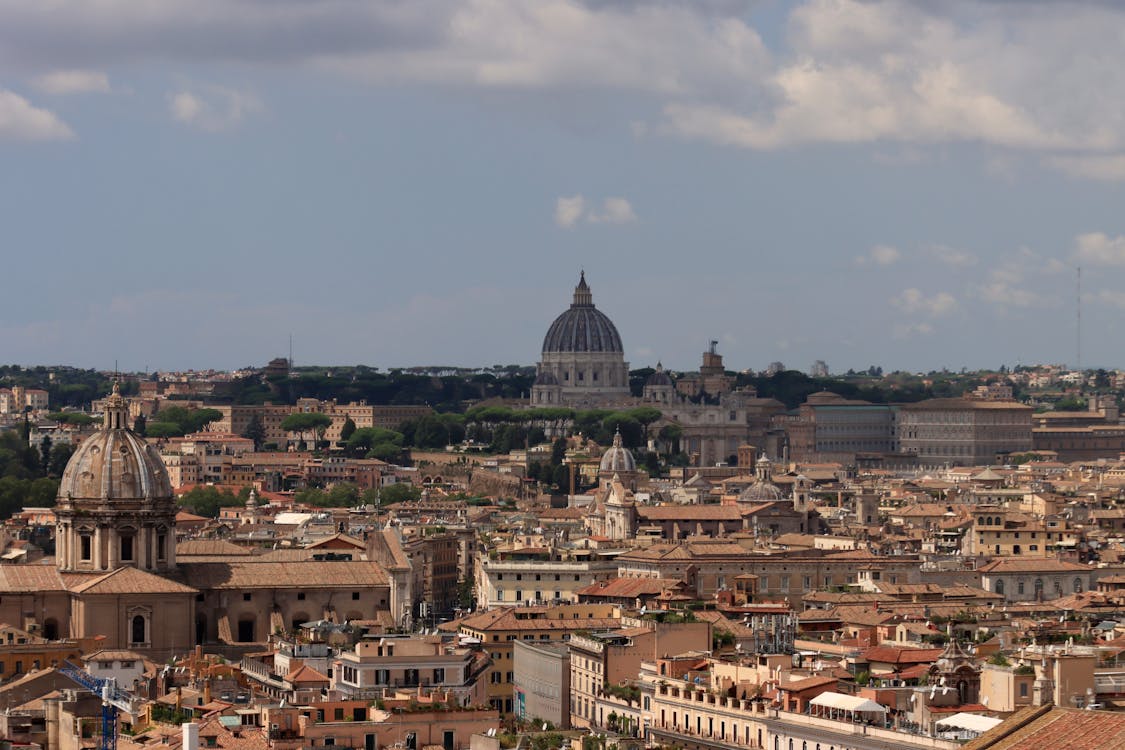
497	628
540	575
388	663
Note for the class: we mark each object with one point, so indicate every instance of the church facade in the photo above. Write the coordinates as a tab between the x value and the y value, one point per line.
116	573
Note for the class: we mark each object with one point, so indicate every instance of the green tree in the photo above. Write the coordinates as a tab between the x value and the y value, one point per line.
670	435
347	430
558	451
630	429
75	418
60	457
45	454
139	424
302	422
646	415
399	492
206	501
366	438
255	431
388	452
163	430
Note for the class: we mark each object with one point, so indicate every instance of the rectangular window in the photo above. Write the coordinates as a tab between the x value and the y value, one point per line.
127	548
87	547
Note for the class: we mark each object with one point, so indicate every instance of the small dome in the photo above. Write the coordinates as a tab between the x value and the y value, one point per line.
115	463
617	459
545	377
582	328
658	378
761	492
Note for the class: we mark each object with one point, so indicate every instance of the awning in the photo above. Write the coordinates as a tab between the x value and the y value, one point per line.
842	702
972	722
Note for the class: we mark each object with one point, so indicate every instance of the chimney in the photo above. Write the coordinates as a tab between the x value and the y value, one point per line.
191	736
206	692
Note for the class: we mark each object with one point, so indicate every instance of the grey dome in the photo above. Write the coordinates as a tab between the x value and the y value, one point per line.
582	328
659	378
115	464
761	492
617	458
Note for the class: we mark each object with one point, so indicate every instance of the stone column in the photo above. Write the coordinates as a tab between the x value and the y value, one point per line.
97	551
114	548
151	547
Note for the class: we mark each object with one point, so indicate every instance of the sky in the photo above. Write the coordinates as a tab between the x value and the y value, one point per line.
910	184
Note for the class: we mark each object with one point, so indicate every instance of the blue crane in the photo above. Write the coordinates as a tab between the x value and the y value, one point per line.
114	699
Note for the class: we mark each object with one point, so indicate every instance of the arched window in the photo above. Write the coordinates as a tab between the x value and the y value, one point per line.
137	631
999	587
1038	587
1078	585
981	521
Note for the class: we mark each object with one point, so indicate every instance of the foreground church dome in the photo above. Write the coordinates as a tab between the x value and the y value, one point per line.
583	359
115	463
115	506
582	328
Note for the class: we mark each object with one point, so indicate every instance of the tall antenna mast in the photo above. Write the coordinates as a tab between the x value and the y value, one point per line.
1078	343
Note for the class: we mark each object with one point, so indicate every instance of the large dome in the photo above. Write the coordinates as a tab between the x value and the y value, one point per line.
115	463
582	328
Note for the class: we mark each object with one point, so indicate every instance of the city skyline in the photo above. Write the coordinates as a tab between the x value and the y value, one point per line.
866	183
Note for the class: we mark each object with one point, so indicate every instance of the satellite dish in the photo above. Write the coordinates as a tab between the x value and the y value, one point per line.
984	700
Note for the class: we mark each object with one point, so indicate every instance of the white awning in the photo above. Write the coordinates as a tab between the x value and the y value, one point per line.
972	722
843	702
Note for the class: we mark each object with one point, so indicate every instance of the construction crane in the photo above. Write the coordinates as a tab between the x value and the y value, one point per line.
114	699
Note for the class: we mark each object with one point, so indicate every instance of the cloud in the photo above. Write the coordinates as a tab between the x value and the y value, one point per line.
614	211
73	82
911	330
568	211
914	302
1109	298
1006	295
880	255
212	108
951	256
1015	75
1105	167
20	120
1098	248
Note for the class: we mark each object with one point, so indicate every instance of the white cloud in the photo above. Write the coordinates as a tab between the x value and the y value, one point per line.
1109	297
21	120
951	256
73	82
914	302
1098	248
911	330
880	255
1015	75
1106	167
1005	294
568	211
614	211
212	108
